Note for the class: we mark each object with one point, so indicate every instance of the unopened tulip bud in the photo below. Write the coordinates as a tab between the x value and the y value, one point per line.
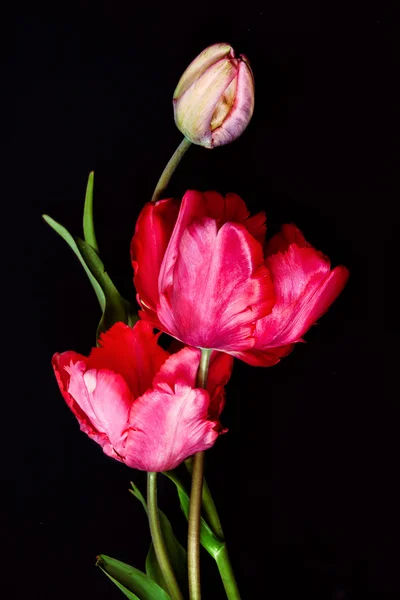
214	99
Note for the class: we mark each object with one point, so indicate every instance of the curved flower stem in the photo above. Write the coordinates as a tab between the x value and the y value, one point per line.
169	169
157	538
195	497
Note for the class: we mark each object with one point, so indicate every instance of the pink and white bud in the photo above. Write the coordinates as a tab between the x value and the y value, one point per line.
214	99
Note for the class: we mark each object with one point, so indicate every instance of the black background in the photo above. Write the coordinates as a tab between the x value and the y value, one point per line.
306	477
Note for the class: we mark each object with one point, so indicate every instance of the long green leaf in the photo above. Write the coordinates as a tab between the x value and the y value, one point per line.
208	540
88	225
117	308
132	579
72	244
138	494
119	585
113	307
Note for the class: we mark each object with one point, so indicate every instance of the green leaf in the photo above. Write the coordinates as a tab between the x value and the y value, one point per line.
131	579
138	494
208	540
72	244
88	225
177	556
123	589
113	307
117	308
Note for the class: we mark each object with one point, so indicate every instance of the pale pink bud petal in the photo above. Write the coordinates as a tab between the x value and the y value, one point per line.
241	110
195	108
214	99
200	64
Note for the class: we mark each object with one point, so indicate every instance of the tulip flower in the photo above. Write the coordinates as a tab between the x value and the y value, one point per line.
199	271
140	403
214	99
201	276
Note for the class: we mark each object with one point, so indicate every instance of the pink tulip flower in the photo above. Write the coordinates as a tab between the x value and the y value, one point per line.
140	403
201	275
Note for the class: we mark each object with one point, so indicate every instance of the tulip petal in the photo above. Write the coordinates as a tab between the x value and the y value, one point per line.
220	287
179	368
100	401
131	352
264	358
236	211
152	234
170	422
59	362
242	109
195	107
233	208
224	105
219	373
305	287
182	366
215	206
257	227
201	63
280	242
192	207
106	399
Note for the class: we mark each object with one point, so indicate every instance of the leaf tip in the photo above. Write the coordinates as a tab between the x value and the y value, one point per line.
99	561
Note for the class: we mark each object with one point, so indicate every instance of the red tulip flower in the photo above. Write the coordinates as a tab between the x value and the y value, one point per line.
199	270
201	276
139	402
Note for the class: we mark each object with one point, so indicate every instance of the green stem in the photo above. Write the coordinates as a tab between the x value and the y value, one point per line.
196	496
194	527
227	574
208	506
223	561
157	538
169	169
222	557
202	373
